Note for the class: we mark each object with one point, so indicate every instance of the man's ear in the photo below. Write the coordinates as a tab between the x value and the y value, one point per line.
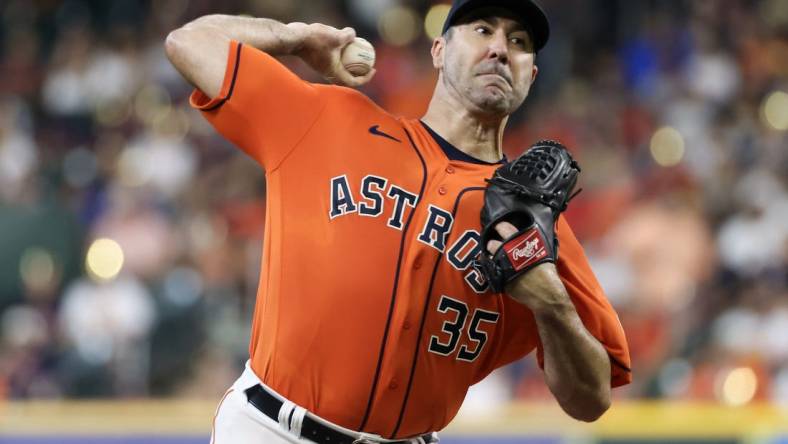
534	73
438	51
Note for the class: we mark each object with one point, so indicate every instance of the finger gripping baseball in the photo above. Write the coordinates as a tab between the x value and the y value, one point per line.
530	193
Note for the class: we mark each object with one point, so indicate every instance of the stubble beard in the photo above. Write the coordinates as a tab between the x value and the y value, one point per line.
482	98
492	100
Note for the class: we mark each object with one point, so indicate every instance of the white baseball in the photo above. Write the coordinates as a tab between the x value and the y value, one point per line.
358	57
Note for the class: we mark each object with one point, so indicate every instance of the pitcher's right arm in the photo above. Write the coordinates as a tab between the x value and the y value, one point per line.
199	49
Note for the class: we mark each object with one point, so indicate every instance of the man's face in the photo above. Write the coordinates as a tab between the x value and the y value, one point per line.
489	61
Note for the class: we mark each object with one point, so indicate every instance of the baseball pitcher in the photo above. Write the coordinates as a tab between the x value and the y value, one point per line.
404	259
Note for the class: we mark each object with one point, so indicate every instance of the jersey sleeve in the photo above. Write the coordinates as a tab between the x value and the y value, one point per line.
263	108
598	316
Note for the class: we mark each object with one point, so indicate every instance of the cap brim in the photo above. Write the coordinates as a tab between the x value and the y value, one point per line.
532	16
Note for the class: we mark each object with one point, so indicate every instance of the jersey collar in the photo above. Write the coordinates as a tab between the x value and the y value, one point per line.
454	153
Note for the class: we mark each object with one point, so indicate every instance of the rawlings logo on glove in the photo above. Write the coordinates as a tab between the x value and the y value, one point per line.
530	193
532	250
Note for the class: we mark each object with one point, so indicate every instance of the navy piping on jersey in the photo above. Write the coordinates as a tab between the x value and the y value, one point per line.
423	322
232	83
396	284
424	318
454	153
619	365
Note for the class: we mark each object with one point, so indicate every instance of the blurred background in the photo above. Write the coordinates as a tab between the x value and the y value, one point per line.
130	233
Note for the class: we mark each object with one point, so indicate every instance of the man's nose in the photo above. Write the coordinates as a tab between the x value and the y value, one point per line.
499	47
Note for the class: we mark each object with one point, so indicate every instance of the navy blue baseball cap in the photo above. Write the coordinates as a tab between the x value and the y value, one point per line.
530	13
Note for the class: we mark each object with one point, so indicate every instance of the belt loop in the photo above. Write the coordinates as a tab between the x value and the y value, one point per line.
284	414
297	420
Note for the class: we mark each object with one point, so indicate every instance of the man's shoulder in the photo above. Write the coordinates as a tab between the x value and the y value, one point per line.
353	101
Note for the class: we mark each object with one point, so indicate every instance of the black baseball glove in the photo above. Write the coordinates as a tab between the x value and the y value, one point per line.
529	193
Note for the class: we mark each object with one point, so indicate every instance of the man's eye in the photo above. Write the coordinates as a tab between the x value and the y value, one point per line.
482	30
521	42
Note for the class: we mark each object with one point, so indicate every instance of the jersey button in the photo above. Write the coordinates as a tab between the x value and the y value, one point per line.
417	265
393	385
442	191
406	325
450	169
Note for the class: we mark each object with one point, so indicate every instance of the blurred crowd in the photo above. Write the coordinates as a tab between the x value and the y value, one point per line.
677	111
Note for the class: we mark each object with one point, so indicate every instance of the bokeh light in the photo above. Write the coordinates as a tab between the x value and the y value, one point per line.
22	326
774	111
104	259
667	147
132	167
738	387
112	113
433	22
37	268
182	287
399	26
206	232
149	102
170	121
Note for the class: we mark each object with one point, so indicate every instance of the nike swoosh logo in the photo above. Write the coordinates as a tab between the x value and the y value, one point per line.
375	131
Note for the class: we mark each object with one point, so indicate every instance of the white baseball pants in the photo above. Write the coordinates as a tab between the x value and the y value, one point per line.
239	422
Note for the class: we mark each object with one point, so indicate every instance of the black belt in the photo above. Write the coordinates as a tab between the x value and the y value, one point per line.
310	429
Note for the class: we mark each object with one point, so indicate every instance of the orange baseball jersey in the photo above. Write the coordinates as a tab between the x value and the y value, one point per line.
368	312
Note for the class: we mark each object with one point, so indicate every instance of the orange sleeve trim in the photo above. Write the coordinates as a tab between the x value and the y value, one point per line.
618	364
201	101
620	373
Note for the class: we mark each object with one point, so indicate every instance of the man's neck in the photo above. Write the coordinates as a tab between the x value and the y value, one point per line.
477	138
